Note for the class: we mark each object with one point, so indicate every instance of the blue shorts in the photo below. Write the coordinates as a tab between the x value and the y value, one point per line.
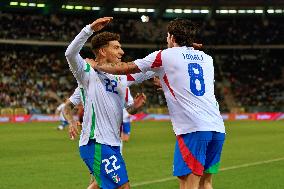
198	152
105	163
64	123
126	128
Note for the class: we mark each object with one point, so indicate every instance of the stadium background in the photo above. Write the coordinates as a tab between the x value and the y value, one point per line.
245	38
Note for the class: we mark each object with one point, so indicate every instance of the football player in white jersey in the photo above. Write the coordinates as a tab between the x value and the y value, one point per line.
63	121
187	78
104	95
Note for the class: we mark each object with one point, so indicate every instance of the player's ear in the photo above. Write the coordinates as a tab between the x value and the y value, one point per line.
102	52
173	39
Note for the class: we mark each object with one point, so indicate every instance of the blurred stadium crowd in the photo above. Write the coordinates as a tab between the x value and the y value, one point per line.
38	77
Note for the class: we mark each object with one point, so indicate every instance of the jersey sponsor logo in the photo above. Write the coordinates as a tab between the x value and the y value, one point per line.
192	57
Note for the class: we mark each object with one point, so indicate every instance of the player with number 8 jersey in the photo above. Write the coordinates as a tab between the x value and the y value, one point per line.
187	78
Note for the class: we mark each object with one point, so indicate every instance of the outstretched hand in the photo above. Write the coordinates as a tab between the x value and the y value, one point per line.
139	100
197	45
100	23
73	130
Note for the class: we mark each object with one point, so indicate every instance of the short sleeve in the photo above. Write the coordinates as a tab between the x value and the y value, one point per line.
151	62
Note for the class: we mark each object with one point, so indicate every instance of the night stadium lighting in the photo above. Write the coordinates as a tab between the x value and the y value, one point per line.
40	5
196	11
258	11
144	18
78	7
204	11
88	8
241	11
14	3
69	7
133	9
169	10
141	10
278	11
178	10
96	8
250	11
123	9
150	10
187	11
232	11
23	4
32	4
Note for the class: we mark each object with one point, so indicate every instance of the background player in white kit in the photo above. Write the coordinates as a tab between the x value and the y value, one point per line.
104	96
63	121
187	78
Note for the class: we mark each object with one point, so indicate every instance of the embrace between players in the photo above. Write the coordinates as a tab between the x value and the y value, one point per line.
187	79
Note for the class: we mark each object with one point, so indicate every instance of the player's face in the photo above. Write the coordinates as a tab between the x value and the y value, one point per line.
170	41
114	52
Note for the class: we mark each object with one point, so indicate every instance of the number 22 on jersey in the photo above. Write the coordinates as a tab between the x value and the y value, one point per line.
194	77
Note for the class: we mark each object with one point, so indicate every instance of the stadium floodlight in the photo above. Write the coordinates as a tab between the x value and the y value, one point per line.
32	4
132	9
40	5
150	10
241	11
141	10
224	11
144	18
258	11
186	11
96	8
232	11
270	11
169	10
178	11
14	3
196	11
88	8
123	9
69	7
78	7
249	11
204	11
23	4
278	11
116	9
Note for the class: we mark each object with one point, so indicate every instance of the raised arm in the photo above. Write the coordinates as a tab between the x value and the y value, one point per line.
73	57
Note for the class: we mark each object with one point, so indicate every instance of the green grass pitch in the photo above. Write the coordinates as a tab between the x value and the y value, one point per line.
37	156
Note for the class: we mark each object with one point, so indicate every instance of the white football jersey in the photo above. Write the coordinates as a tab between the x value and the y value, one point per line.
60	110
104	94
187	78
75	98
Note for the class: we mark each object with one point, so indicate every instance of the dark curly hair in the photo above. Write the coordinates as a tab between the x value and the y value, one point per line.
102	39
183	30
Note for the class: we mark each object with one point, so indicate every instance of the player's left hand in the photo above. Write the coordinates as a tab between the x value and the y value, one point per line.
139	100
197	45
73	130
